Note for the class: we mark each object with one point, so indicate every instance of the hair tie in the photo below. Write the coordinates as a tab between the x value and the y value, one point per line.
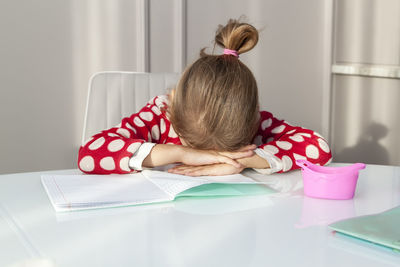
231	52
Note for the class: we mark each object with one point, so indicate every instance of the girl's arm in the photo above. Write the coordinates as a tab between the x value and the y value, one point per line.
281	144
253	161
122	148
163	154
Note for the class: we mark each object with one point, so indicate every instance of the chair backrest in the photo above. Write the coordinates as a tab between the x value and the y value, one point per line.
115	95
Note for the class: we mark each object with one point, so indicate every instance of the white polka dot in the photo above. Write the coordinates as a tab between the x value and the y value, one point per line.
124	164
265	124
113	135
323	145
272	149
284	145
291	131
278	129
155	132
297	138
172	132
147	116
138	122
124	132
159	101
312	152
127	125
97	143
305	134
148	137
287	163
299	157
270	139
163	127
257	140
116	145
156	110
87	164
133	147
89	140
317	134
107	163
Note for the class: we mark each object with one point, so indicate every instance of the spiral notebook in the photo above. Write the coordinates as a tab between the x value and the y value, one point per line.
80	192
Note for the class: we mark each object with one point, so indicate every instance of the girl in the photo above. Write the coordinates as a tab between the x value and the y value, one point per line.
210	123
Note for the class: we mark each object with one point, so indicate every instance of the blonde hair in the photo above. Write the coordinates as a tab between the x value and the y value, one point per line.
215	105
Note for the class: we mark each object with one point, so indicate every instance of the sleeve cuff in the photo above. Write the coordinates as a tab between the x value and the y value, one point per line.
274	162
136	161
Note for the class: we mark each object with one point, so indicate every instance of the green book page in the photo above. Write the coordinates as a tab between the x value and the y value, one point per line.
382	228
217	189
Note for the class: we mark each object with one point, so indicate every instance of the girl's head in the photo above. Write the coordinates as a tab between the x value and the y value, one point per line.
215	104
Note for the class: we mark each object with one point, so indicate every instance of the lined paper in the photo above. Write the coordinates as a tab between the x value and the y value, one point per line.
69	192
77	192
174	184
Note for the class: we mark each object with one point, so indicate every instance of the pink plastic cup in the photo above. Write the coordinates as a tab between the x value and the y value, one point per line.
329	182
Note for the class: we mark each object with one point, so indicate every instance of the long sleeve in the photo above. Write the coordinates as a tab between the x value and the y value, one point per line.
114	150
281	144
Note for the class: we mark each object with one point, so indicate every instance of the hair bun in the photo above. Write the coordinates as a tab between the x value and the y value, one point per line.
236	35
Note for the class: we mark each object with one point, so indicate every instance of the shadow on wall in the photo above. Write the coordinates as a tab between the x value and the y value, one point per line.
368	149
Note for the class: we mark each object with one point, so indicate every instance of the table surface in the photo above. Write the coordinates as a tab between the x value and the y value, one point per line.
283	229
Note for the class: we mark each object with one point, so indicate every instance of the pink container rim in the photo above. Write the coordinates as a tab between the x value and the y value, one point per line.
305	164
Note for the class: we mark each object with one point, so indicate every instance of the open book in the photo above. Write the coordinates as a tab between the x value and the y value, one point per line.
78	192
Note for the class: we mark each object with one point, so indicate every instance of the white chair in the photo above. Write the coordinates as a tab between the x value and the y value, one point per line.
115	95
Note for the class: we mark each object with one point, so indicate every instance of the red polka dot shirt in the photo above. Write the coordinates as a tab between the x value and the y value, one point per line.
122	148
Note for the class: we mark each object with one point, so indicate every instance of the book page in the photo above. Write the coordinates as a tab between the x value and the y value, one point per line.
174	184
85	191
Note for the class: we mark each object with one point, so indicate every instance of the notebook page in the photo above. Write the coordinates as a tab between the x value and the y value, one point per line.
85	191
230	179
174	184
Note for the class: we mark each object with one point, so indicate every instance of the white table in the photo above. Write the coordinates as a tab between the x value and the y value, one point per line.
286	229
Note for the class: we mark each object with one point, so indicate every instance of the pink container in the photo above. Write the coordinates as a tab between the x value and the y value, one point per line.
329	182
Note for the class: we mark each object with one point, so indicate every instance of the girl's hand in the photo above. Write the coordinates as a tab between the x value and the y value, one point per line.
195	157
213	169
163	154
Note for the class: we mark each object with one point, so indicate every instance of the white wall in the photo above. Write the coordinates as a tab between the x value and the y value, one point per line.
49	49
365	111
37	102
